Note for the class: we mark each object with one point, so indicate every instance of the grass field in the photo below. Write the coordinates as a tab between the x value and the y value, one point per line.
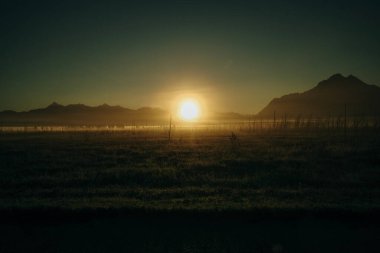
199	170
218	190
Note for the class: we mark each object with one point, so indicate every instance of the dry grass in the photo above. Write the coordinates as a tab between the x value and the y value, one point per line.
199	170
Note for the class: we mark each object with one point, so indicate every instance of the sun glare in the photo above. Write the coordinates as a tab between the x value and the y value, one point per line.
189	110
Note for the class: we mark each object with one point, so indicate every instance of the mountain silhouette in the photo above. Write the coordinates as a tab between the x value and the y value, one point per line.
78	114
329	98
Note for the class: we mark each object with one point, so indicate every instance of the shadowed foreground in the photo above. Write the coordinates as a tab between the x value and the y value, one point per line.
198	170
190	234
205	191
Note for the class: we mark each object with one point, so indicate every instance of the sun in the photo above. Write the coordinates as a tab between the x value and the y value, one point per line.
189	110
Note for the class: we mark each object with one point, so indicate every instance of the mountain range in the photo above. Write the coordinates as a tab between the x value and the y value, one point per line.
331	97
80	114
74	114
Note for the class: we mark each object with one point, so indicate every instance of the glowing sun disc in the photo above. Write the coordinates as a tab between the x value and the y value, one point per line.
189	110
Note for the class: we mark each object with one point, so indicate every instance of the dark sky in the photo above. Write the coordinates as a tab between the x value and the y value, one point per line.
235	55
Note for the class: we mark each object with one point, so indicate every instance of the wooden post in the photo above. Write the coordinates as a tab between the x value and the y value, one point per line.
285	123
170	126
274	119
345	121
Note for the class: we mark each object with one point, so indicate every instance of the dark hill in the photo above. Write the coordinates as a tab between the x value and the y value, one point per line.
328	98
80	114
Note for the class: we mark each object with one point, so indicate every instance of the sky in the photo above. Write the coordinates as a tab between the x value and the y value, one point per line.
231	55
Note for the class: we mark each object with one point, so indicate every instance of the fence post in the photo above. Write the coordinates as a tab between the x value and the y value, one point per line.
170	126
345	121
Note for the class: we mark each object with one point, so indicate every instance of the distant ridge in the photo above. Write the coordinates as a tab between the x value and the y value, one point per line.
80	114
77	108
328	98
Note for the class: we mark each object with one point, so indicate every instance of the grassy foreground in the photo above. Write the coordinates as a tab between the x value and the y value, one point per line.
198	171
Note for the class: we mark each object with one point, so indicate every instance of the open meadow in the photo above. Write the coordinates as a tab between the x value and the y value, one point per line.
205	190
198	170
